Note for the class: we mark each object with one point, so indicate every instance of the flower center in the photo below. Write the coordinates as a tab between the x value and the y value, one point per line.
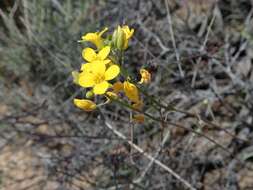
99	78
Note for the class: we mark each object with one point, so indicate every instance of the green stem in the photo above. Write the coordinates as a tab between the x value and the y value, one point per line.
172	123
172	108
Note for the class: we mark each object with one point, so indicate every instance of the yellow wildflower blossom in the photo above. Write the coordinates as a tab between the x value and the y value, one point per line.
139	118
95	38
128	33
90	55
98	76
131	91
121	37
100	69
84	104
145	76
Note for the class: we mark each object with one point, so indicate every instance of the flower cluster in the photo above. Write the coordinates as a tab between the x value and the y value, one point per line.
103	73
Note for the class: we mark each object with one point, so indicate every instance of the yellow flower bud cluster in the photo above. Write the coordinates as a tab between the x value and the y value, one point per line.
121	37
100	73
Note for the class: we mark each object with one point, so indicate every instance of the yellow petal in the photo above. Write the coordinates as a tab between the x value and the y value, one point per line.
86	80
103	31
98	68
145	76
106	61
126	28
94	38
125	44
90	37
129	33
103	53
89	54
112	72
101	87
86	105
131	91
87	67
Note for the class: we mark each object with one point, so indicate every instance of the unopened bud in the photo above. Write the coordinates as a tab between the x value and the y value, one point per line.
89	94
119	38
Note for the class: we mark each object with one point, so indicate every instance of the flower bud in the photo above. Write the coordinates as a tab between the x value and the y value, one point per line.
112	95
86	105
131	91
119	38
145	76
89	94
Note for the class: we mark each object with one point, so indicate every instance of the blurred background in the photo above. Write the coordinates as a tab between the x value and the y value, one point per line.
200	54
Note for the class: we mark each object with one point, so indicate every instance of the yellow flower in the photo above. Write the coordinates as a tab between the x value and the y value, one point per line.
95	38
86	105
128	33
90	55
131	91
145	76
98	76
121	37
139	118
